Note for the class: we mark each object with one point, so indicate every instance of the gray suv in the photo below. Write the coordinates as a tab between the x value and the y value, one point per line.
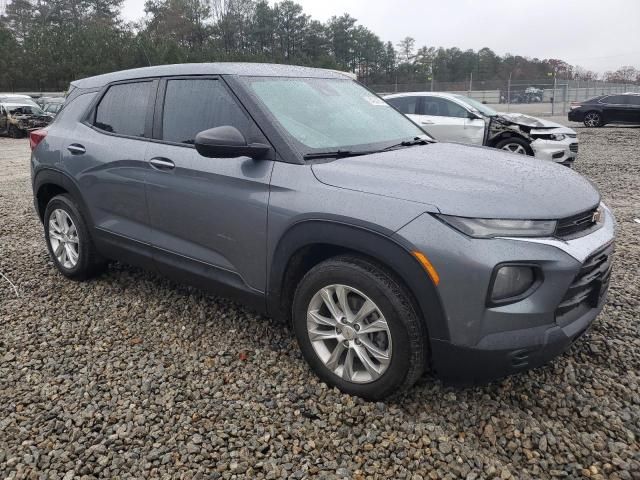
305	196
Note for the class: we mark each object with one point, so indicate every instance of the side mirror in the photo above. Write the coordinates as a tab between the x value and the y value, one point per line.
227	142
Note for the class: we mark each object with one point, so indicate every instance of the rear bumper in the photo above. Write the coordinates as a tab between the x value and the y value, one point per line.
502	354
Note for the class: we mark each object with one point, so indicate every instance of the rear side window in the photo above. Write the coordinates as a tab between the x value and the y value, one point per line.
123	109
407	105
191	106
633	100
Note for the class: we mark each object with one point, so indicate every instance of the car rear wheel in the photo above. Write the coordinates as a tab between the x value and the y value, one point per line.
68	241
515	145
357	328
592	119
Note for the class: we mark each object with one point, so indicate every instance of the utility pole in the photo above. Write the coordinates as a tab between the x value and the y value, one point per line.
553	99
509	92
470	81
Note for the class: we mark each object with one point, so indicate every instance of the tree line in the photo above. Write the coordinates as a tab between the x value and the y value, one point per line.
45	44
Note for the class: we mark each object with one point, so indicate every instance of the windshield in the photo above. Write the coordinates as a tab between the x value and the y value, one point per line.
481	107
329	114
25	110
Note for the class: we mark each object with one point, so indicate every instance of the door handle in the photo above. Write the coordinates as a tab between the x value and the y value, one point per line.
426	122
160	163
76	149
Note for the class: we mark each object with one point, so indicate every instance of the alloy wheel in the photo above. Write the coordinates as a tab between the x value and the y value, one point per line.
592	119
63	237
349	333
514	148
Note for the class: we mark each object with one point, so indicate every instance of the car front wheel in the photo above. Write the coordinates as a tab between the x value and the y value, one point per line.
357	328
515	145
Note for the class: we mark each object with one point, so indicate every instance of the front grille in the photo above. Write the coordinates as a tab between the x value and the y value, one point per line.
574	147
570	226
588	287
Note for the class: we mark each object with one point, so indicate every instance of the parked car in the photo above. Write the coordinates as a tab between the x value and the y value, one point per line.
19	116
451	117
19	99
307	197
623	108
52	108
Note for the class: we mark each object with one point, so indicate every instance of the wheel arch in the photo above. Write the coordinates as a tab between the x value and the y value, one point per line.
310	242
48	183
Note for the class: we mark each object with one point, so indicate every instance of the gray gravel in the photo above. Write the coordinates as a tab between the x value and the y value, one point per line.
132	376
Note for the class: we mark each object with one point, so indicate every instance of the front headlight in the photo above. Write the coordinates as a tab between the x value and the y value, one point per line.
550	136
492	227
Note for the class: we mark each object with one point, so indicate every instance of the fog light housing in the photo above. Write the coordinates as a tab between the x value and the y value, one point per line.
511	283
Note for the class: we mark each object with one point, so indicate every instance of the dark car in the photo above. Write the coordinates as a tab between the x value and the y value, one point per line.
307	197
621	108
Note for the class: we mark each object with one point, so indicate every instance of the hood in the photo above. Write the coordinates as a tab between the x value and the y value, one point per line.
535	123
465	181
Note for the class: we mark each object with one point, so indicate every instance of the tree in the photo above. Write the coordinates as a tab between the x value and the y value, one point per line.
405	49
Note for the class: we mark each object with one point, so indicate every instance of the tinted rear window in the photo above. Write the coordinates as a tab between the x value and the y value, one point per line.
633	99
123	109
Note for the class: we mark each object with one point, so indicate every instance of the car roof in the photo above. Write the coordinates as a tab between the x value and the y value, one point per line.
424	94
221	68
14	104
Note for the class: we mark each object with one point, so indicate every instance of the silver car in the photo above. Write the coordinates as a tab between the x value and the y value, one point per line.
303	195
451	117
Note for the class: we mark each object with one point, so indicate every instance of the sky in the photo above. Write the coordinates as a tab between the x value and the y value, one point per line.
595	34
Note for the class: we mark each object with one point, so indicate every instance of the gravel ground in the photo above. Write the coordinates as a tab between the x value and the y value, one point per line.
132	376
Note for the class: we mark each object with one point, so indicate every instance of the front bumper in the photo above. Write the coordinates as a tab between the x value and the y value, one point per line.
503	354
575	115
563	151
484	342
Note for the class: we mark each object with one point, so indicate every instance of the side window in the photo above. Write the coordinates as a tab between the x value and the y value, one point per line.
435	106
123	109
191	106
407	105
633	100
614	100
454	110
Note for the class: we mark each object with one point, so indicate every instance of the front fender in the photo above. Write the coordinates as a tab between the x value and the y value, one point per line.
392	253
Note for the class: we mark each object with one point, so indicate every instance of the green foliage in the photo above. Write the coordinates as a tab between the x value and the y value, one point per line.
45	44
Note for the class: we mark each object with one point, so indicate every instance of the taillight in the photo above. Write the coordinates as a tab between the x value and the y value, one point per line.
35	137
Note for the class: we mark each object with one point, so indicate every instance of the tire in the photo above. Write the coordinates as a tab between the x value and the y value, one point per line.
515	145
402	346
64	224
593	119
13	132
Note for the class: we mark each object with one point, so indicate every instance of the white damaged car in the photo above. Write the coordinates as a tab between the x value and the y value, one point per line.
449	117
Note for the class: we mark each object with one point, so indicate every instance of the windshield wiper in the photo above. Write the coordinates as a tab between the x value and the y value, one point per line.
407	143
333	154
355	153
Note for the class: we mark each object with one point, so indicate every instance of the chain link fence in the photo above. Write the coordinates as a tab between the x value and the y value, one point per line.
542	97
